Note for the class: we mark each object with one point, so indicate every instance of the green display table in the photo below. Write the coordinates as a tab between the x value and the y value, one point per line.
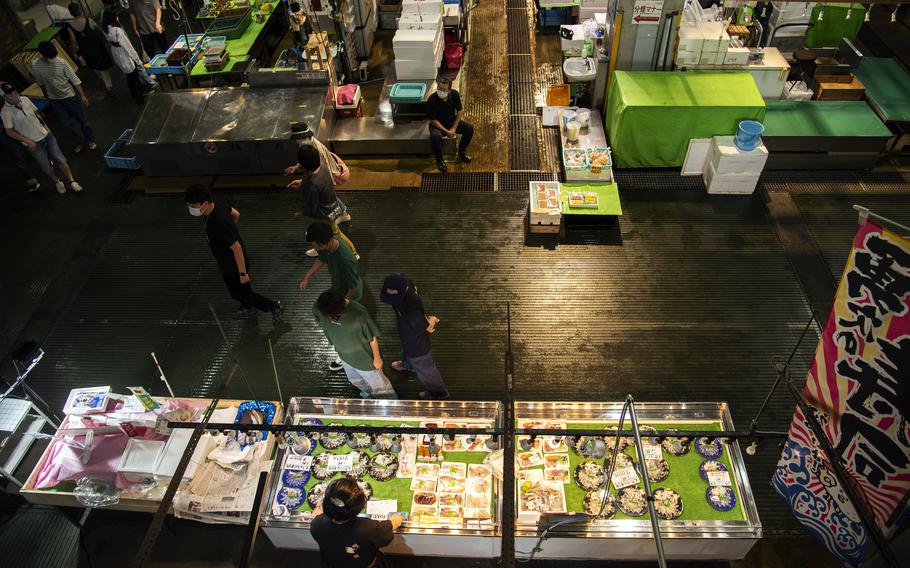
887	87
823	135
651	116
607	198
47	34
238	48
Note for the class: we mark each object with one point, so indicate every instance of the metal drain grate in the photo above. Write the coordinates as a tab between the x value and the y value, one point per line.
472	182
518	4
885	182
520	69
521	98
519	37
524	152
401	189
518	181
656	180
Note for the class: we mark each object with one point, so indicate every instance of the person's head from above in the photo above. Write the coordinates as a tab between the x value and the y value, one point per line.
300	131
319	235
332	304
308	158
47	50
394	289
198	200
10	93
75	10
343	500
443	87
110	17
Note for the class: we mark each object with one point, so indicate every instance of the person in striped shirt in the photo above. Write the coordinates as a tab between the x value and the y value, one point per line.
61	85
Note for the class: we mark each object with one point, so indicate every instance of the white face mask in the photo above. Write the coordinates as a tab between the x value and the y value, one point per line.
443	94
195	211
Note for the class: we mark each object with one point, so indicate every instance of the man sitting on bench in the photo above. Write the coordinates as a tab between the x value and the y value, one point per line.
444	111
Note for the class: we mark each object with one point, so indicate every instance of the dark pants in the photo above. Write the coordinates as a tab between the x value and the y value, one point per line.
244	294
425	369
72	114
153	43
20	156
464	128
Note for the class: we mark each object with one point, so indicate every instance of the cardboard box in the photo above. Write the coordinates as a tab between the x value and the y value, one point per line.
737	56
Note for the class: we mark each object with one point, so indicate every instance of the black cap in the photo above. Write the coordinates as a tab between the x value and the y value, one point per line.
394	289
7	88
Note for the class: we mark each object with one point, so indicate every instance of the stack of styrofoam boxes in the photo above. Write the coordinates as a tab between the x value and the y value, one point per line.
418	51
367	21
690	45
715	43
731	170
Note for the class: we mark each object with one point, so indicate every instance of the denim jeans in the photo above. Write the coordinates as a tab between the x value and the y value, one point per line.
373	382
72	114
47	154
425	369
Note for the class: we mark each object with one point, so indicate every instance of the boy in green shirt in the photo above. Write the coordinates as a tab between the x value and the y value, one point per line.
338	257
352	332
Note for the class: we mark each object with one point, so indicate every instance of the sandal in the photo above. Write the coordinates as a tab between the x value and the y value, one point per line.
92	146
398	366
77	150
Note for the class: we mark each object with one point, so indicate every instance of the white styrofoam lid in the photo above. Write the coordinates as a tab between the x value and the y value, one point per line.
140	455
696	156
173	451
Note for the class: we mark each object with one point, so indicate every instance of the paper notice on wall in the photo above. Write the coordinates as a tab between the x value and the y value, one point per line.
647	12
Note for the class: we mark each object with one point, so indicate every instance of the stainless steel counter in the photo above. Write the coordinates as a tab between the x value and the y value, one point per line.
226	130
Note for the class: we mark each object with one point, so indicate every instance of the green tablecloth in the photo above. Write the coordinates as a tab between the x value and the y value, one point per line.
822	118
607	198
887	87
651	116
46	34
238	48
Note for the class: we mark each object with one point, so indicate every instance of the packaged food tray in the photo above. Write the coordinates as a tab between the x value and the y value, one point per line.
121	162
574	159
232	27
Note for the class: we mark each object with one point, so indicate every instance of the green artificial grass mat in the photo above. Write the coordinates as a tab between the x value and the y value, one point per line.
684	476
395	488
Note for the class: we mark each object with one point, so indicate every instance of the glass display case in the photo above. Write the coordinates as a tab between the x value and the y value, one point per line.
702	493
442	486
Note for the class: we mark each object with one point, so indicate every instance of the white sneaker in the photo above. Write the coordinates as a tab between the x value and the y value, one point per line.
312	253
357	255
344	218
75	186
61	187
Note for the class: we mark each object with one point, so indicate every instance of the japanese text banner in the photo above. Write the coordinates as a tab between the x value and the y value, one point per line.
860	384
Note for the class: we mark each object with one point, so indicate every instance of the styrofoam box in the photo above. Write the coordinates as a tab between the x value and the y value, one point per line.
729	183
422	8
453	15
173	452
726	158
690	39
139	458
737	56
407	70
414	38
715	36
416	22
707	58
720	57
577	41
687	58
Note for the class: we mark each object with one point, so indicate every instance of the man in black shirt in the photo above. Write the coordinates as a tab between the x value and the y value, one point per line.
445	111
229	251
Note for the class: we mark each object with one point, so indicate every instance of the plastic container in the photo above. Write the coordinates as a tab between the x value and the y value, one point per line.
572	129
407	92
121	162
748	134
137	464
452	54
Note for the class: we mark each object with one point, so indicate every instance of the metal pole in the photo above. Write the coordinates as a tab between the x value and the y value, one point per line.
275	371
864	213
508	458
252	527
643	470
867	518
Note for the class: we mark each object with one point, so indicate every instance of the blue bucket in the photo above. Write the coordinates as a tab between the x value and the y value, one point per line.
748	134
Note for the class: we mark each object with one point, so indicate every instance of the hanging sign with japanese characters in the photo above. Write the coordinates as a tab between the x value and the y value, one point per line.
859	383
647	12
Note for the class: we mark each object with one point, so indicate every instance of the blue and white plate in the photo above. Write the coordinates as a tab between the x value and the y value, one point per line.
295	478
711	451
721	498
710	465
291	497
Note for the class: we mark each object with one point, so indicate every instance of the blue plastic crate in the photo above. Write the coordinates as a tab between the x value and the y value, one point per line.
407	92
119	162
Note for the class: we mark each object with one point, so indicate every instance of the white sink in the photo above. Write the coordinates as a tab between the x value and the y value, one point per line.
579	69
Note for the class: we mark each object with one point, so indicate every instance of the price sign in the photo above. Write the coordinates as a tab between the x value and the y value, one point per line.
719	478
653	451
293	461
596	170
624	477
342	463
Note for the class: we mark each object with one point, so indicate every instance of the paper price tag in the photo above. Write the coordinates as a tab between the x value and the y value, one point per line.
293	461
624	477
652	451
719	478
384	507
596	170
379	516
341	463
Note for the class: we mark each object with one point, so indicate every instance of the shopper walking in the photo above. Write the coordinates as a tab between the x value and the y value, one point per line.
355	337
414	329
317	190
87	42
126	58
146	20
230	252
445	113
346	540
61	85
20	157
21	121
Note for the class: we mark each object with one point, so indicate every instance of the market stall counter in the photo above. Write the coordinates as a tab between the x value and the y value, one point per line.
823	135
651	116
109	453
702	494
444	488
244	131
